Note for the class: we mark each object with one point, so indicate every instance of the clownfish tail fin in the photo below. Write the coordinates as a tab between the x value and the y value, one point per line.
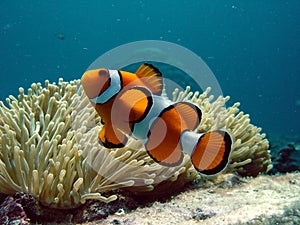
209	152
152	77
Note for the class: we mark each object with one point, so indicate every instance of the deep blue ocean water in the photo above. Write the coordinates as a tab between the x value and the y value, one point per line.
252	47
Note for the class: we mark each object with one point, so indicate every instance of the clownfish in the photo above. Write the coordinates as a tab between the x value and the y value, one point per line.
131	104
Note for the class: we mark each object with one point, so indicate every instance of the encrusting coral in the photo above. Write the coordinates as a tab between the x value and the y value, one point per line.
49	147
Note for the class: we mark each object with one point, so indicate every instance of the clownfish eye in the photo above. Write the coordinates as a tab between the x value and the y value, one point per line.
103	72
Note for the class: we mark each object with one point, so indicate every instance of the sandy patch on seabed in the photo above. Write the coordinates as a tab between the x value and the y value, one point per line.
263	200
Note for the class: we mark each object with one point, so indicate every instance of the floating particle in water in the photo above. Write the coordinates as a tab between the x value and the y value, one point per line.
60	36
6	27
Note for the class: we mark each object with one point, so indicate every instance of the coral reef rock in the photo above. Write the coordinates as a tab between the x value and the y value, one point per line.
286	158
11	212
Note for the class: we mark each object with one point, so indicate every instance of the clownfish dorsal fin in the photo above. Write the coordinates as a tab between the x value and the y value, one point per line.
163	137
151	77
190	114
132	105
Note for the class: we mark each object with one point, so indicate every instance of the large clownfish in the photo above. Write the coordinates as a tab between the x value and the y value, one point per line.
131	104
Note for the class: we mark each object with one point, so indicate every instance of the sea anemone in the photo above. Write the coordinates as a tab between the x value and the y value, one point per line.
49	147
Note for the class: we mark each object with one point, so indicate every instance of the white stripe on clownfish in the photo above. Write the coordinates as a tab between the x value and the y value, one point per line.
113	89
141	129
188	141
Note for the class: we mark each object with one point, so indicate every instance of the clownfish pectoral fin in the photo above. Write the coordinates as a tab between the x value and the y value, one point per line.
190	114
151	77
112	138
211	153
133	104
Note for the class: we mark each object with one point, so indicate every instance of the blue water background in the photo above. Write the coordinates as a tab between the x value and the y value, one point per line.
252	47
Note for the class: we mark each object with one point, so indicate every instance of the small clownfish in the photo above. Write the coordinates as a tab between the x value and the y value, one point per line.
131	104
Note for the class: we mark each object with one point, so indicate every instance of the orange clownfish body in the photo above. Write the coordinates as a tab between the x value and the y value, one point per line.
131	104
